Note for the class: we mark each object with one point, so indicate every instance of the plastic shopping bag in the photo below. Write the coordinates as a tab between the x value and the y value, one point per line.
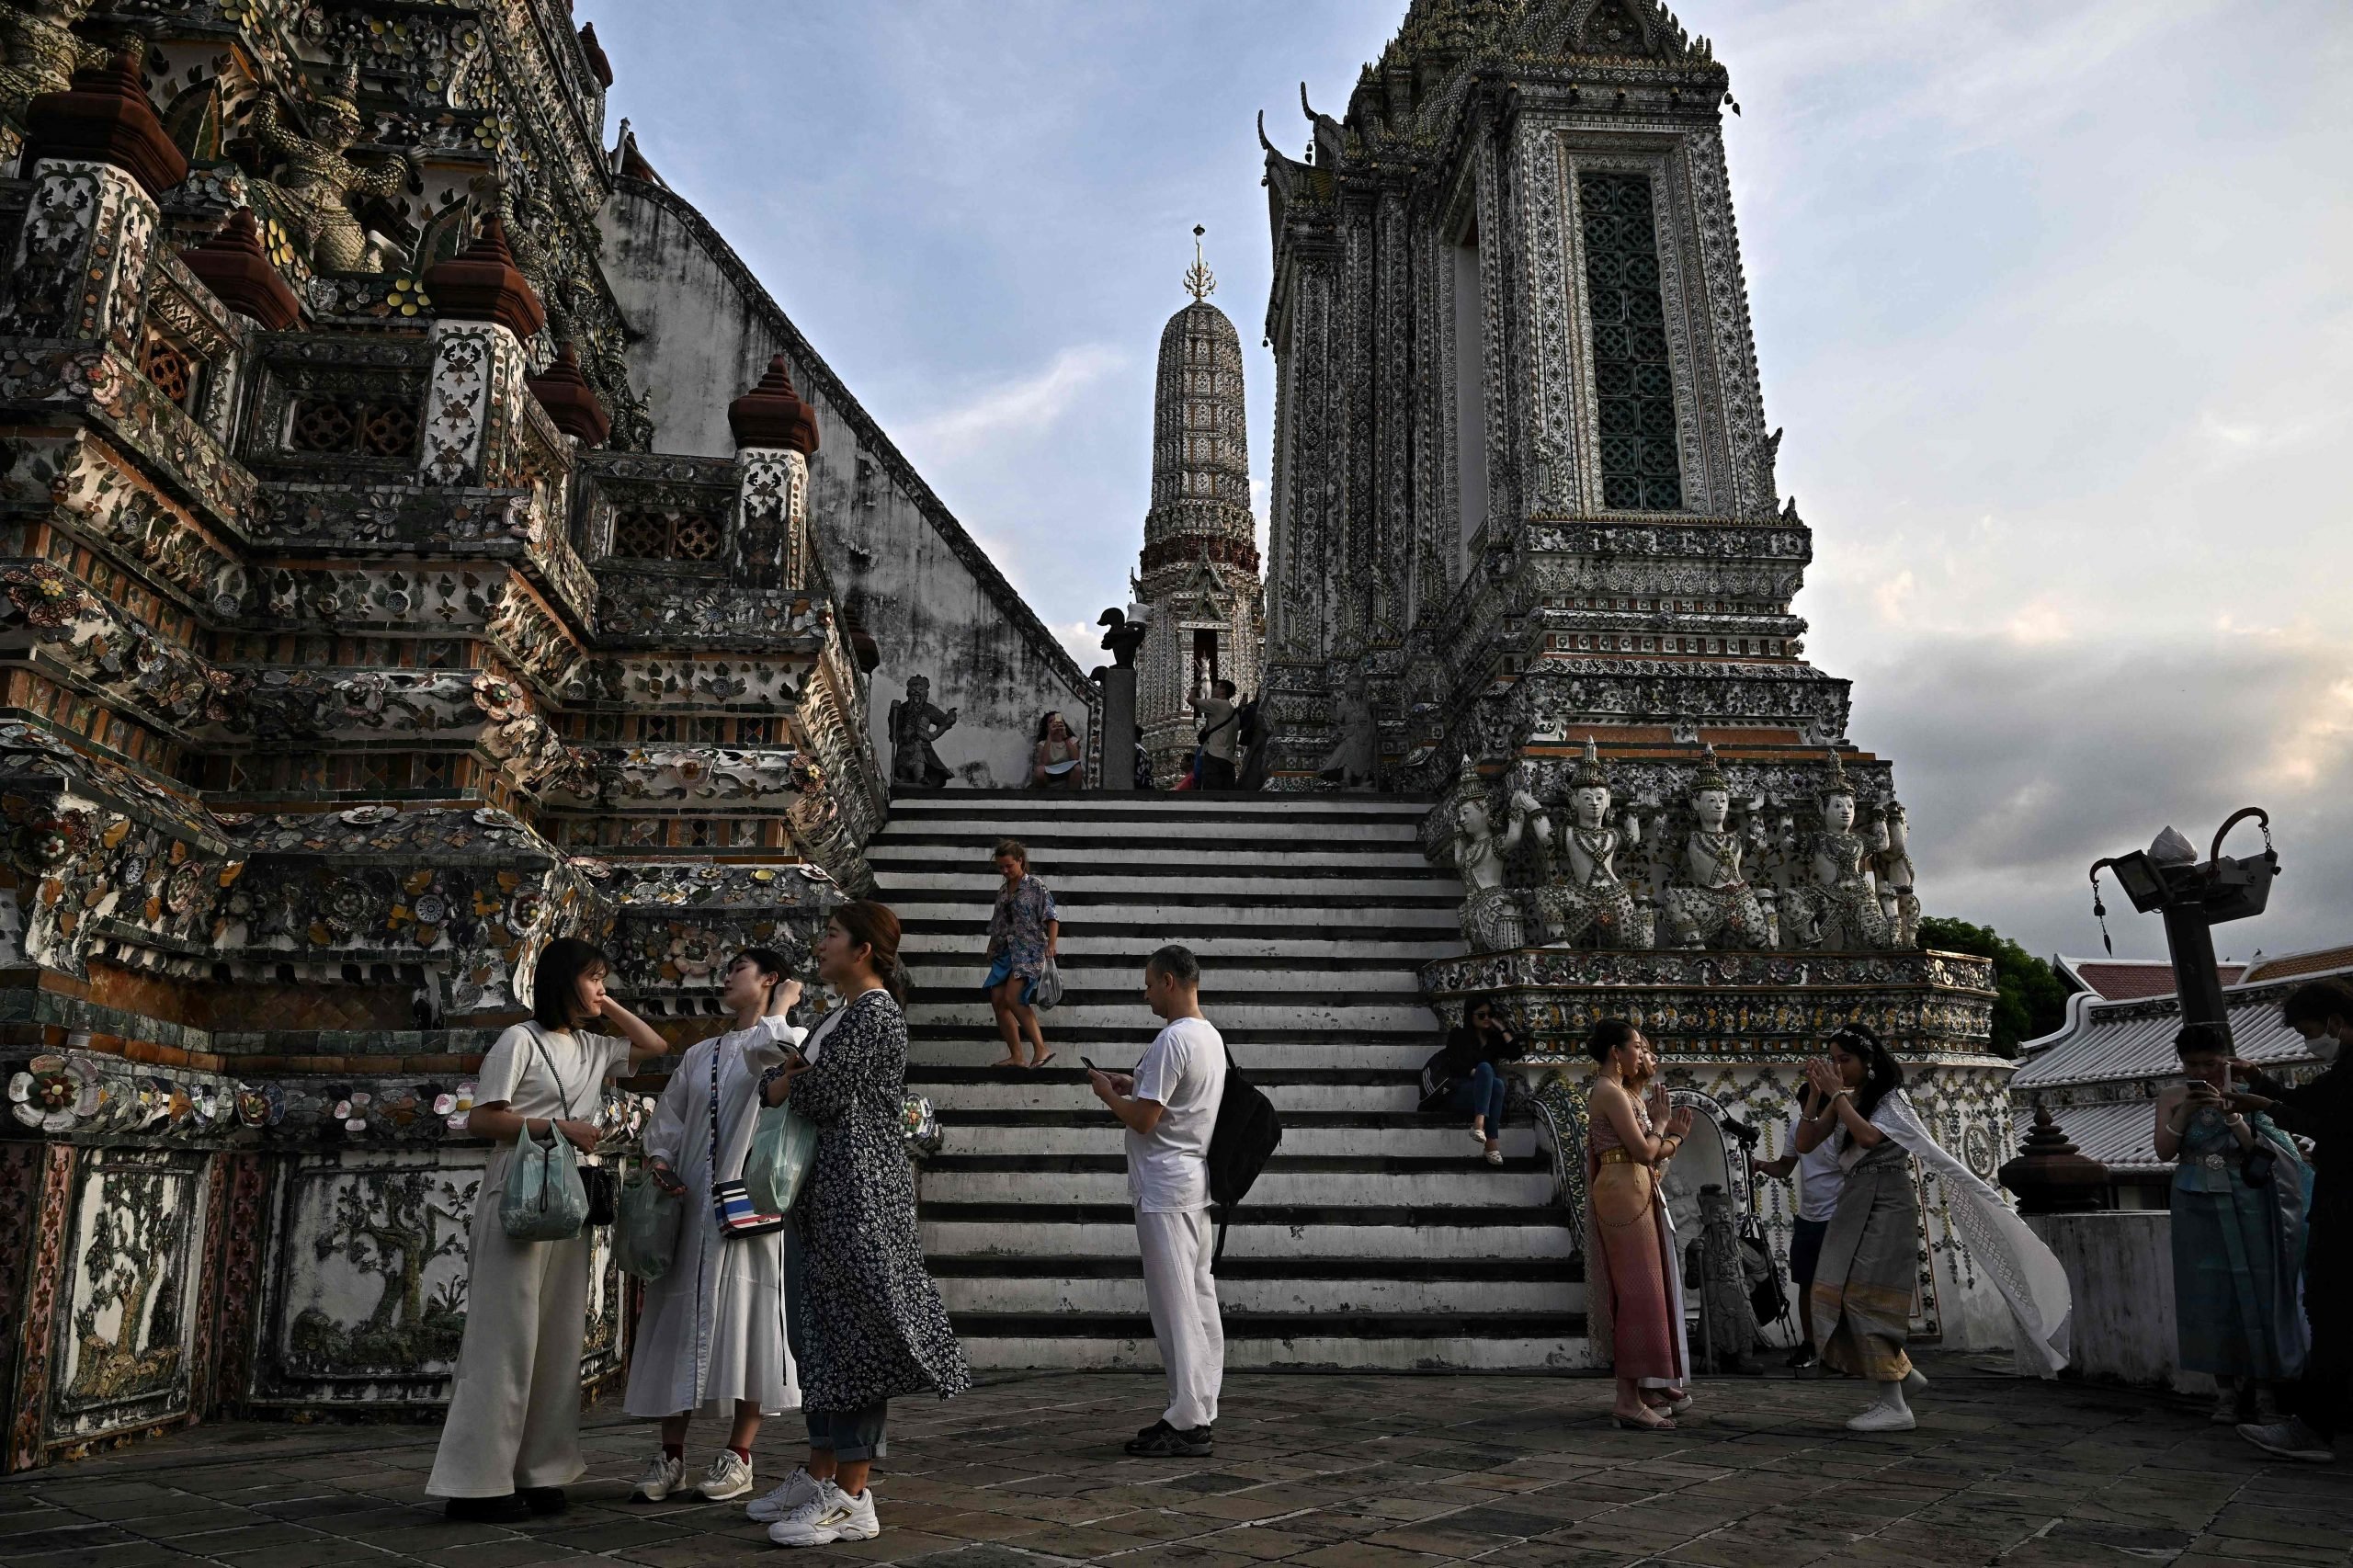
783	1143
545	1199
645	1236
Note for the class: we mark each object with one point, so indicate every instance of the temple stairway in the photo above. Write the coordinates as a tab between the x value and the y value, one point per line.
1377	1237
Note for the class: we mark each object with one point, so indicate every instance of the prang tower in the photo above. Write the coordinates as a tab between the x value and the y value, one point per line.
1200	569
1522	479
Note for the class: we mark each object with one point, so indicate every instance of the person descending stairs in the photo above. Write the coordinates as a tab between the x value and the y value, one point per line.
1376	1237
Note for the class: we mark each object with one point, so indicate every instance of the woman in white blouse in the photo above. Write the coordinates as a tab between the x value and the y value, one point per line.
511	1442
711	1337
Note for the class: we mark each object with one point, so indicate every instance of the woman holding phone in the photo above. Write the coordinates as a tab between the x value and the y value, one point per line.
711	1337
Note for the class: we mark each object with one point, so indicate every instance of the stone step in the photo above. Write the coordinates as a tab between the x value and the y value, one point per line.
1088	946
1372	1182
1278	1342
978	1047
1308	856
1056	1287
1398	1235
1054	838
1429	1139
1162	917
1297	1014
1250	886
1088	979
1154	805
1008	1092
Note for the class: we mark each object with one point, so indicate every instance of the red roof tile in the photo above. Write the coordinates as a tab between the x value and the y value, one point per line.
2128	980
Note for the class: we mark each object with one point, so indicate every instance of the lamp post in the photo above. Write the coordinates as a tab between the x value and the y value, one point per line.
2193	897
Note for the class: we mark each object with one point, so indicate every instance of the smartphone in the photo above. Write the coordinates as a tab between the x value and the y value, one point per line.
1090	1066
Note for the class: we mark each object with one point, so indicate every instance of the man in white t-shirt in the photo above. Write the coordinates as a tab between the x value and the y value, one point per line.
1820	1181
1169	1106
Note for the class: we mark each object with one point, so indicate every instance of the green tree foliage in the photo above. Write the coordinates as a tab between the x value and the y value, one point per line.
2033	999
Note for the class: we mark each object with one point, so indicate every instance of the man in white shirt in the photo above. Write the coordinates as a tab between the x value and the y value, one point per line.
1819	1183
1169	1106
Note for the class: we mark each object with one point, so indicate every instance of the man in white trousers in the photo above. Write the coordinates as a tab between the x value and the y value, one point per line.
1169	1106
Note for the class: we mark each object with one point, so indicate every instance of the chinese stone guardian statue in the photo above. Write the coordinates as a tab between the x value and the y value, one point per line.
1891	860
321	184
914	723
1491	916
1591	905
1709	902
1834	896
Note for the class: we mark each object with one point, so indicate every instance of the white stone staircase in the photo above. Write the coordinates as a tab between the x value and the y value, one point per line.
1377	1238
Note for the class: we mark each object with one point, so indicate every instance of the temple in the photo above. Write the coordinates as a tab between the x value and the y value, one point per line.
423	537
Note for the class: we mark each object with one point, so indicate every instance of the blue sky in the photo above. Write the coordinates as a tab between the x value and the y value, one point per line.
2052	300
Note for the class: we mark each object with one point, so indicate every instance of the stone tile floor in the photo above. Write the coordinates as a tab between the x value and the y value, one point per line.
1335	1471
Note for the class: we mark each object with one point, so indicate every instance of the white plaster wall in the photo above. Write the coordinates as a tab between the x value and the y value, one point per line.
704	332
2120	1266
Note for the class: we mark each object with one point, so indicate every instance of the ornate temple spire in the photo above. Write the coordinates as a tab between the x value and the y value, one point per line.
1199	281
1200	567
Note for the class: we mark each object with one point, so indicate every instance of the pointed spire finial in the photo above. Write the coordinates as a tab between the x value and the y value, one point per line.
1201	281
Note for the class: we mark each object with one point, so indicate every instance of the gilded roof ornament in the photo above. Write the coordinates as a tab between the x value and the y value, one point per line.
1199	280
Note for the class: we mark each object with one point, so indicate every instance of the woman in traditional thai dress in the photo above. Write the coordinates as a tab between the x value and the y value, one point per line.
873	1322
1024	931
1629	1251
1868	1272
2238	1234
511	1441
711	1337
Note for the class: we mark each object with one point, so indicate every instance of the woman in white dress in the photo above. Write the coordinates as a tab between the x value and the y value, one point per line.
711	1337
511	1442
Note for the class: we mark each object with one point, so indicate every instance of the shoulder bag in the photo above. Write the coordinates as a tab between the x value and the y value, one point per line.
545	1199
732	1200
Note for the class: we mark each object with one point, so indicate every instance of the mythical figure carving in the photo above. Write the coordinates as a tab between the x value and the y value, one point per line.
39	50
1593	906
1834	898
914	725
1709	902
321	184
1491	921
1350	763
1891	860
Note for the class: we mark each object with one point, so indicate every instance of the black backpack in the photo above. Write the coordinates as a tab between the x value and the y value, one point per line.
1246	1135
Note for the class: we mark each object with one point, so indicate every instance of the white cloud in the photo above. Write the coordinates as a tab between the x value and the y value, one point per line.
1021	409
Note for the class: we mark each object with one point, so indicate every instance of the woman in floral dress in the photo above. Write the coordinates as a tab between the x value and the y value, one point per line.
1024	931
876	1326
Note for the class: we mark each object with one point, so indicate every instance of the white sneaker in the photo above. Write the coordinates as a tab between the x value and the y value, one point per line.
2291	1440
799	1490
663	1476
834	1516
728	1477
1883	1419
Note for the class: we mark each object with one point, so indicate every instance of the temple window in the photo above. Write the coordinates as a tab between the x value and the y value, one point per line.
1469	387
1640	471
346	427
171	366
645	533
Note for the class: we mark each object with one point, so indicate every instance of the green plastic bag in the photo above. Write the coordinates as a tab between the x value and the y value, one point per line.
645	1236
545	1199
783	1143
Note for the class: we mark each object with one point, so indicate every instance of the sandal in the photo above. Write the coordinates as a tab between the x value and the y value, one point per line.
1042	1061
1010	1061
1636	1424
